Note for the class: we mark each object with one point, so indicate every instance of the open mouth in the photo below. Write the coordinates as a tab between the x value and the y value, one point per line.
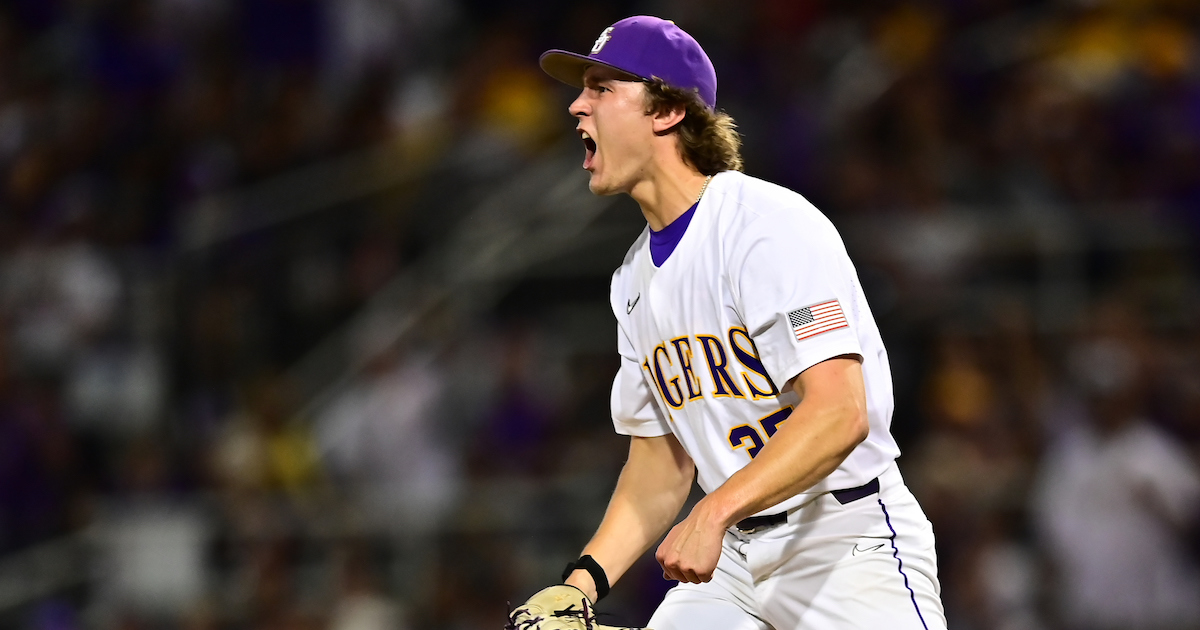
589	147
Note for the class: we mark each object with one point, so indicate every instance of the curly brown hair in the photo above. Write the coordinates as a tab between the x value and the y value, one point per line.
708	139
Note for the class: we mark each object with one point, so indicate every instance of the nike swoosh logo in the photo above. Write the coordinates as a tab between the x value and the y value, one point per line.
857	551
629	305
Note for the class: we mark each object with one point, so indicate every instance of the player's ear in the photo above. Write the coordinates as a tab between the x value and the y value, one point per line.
663	121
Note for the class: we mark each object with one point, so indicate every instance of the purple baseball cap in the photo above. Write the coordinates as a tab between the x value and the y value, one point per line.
643	47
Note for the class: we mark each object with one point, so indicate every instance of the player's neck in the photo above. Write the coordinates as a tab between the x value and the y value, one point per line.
668	193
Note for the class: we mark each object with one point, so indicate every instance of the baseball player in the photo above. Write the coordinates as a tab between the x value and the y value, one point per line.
749	361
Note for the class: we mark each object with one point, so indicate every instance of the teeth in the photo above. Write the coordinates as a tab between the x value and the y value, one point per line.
586	136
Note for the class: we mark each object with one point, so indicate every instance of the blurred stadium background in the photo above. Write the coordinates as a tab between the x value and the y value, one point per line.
303	313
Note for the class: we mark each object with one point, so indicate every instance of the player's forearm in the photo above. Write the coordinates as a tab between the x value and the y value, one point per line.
818	436
792	462
653	486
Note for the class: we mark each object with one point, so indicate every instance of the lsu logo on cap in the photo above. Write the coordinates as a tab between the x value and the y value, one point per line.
602	40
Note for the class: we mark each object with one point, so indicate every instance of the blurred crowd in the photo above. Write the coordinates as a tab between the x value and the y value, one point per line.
1017	180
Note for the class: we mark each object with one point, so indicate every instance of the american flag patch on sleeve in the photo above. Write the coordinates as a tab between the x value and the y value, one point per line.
816	319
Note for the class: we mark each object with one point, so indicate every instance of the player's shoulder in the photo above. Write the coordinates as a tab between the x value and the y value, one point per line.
751	191
625	272
748	206
638	245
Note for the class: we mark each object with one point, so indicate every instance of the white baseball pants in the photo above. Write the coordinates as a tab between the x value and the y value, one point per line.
867	564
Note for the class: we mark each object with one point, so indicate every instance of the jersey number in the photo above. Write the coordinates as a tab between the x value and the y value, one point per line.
740	434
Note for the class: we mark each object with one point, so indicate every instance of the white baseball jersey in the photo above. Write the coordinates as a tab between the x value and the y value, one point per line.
758	289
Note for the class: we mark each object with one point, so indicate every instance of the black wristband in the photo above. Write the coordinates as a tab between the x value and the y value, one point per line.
589	564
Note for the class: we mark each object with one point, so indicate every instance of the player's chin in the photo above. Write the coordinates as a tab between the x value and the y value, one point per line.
600	187
596	185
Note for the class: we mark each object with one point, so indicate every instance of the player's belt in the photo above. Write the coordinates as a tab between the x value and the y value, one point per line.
767	521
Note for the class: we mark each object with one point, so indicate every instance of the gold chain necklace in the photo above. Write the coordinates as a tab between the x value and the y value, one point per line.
703	188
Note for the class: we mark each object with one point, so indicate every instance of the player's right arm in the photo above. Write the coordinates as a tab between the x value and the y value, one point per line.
657	476
653	486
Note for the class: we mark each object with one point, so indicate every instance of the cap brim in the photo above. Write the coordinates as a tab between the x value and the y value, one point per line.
569	67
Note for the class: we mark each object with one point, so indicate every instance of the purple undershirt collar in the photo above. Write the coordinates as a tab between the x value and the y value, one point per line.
663	242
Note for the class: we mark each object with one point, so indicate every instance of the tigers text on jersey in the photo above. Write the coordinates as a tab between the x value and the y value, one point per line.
759	289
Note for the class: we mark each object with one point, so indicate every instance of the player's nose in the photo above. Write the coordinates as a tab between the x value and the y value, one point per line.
580	106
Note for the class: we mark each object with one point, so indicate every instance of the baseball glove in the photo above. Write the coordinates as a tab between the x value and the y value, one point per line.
558	607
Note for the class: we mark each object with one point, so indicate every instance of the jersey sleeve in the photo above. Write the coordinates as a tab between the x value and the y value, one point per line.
634	410
795	288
